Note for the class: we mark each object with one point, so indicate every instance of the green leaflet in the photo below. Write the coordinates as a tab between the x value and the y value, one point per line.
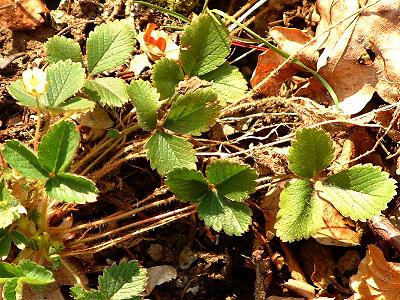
10	208
205	45
108	46
107	91
300	211
61	48
311	152
166	76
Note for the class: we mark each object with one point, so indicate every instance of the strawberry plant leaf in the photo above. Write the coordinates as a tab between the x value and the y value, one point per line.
5	245
188	185
107	91
19	239
232	180
61	48
71	188
228	83
77	104
12	289
166	76
57	148
108	46
145	98
34	274
220	213
17	91
167	152
360	192
194	112
22	159
300	211
10	208
311	152
65	78
205	44
125	281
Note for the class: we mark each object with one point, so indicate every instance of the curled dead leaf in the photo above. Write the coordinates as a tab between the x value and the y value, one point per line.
376	278
157	44
300	287
22	15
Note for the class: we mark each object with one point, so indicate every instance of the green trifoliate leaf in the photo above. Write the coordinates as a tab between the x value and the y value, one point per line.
107	91
360	192
5	245
145	98
194	112
228	82
10	208
167	152
65	78
220	213
188	185
19	239
17	90
61	48
300	211
166	76
310	153
22	159
232	180
71	188
125	281
108	46
205	45
57	148
27	271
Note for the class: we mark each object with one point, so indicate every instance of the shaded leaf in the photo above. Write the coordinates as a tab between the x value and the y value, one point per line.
107	91
19	239
10	208
77	104
5	245
166	76
61	48
194	112
167	152
17	90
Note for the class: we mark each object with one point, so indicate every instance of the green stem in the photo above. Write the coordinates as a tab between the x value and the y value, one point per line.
280	52
38	124
164	10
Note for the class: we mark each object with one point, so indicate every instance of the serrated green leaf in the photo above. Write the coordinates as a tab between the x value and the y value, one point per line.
57	148
219	213
8	271
123	281
310	153
71	188
107	91
228	83
109	45
166	76
10	208
5	245
65	78
19	239
360	192
34	274
194	112
300	211
22	159
205	45
232	180
188	185
79	293
61	48
17	91
77	104
167	152
12	289
145	98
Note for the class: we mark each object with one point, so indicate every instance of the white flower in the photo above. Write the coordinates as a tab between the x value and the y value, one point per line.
35	82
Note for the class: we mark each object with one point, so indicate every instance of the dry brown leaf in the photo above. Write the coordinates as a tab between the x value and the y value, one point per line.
338	230
376	278
291	40
270	206
25	15
300	287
